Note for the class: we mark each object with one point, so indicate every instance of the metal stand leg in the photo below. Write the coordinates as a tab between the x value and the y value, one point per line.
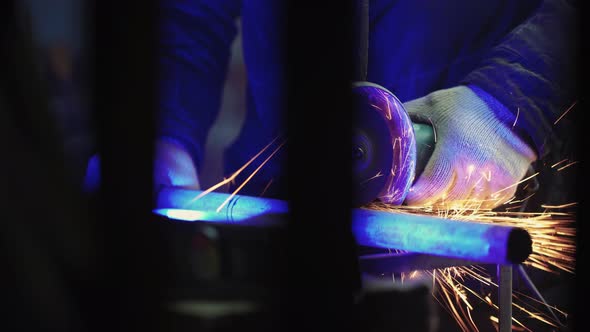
505	297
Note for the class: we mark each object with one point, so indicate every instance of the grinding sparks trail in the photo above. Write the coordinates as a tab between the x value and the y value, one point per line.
378	175
564	113
250	177
552	231
566	166
516	184
236	173
516	119
553	236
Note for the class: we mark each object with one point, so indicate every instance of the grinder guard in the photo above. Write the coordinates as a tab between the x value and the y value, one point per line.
384	146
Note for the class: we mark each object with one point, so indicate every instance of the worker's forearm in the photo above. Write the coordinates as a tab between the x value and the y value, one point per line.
195	39
532	73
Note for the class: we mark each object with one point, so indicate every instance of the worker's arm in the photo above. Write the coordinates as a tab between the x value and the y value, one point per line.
195	42
195	38
532	72
491	128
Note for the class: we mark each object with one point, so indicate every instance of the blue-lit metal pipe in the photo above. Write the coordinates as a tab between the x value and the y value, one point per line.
481	242
181	204
473	241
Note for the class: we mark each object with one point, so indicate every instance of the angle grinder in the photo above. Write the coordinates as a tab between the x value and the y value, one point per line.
389	151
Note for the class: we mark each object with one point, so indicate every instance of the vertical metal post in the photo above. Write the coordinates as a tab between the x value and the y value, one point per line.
505	297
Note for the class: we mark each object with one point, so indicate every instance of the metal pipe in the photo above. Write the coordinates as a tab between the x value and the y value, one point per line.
243	210
471	241
481	242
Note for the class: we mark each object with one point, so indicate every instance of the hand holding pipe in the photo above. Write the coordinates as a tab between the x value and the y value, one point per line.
472	241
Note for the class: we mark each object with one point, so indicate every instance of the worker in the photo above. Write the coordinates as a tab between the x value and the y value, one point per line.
491	77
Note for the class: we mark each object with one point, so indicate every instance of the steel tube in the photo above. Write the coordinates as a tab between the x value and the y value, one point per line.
471	241
243	210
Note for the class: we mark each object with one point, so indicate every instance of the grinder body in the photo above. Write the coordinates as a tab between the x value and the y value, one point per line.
389	150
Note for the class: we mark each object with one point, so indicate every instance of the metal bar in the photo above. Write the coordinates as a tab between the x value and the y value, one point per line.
482	242
183	204
479	242
505	297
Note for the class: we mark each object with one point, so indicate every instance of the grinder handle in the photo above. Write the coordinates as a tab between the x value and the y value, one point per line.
425	140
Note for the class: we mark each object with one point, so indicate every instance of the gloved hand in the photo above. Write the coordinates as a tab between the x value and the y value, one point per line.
173	166
477	157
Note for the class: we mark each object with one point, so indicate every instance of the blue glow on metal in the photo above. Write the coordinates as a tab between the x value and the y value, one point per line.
189	215
211	216
480	242
240	209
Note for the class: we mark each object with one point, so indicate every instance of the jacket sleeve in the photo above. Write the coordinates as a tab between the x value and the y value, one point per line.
195	40
532	73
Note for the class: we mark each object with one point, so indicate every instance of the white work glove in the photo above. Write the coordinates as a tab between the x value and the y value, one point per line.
173	166
477	158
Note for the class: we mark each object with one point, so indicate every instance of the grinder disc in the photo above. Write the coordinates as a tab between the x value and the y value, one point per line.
384	146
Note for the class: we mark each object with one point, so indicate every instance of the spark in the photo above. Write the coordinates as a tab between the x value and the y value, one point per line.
559	162
446	289
250	177
553	235
379	174
517	183
563	206
266	187
566	166
554	308
515	201
377	107
517	114
470	170
234	175
515	328
388	116
535	315
564	113
452	294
